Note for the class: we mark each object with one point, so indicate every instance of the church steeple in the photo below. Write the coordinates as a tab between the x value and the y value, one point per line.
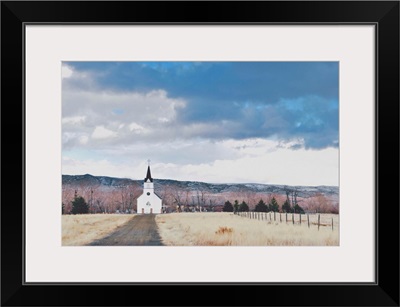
148	175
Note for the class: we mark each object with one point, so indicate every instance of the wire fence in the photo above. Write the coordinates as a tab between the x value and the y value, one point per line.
310	220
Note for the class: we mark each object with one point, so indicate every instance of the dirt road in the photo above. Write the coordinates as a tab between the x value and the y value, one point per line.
140	230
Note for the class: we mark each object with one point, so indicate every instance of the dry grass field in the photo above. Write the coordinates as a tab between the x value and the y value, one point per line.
85	228
210	229
222	229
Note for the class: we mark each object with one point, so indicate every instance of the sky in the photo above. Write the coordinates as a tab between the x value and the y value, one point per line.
217	122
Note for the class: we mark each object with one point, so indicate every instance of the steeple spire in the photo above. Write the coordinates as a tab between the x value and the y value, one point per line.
148	175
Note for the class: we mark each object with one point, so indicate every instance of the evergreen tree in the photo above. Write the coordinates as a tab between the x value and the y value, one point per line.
298	209
227	207
236	206
273	205
286	207
79	205
243	207
261	206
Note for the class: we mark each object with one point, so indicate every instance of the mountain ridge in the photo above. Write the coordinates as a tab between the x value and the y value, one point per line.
108	181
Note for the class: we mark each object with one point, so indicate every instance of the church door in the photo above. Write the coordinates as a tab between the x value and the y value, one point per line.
151	210
142	210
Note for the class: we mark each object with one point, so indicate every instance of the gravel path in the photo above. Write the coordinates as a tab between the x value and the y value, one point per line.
140	230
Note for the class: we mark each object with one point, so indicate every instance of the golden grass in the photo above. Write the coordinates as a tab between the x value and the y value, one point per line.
85	228
221	229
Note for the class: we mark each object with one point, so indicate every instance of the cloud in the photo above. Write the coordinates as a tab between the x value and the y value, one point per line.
143	117
210	100
242	81
103	133
136	128
73	120
207	118
104	167
66	71
253	161
83	139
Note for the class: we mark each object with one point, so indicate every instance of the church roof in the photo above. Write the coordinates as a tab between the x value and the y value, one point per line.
157	195
148	176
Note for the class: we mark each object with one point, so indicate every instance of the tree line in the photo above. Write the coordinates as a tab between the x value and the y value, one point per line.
123	199
261	206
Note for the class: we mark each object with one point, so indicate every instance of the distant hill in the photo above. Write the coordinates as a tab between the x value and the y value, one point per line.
109	183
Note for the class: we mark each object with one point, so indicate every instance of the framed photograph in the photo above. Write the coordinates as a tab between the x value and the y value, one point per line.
242	151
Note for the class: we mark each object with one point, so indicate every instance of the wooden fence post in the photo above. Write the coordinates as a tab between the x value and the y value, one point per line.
286	217
332	224
318	220
270	216
274	216
300	218
308	220
280	217
293	218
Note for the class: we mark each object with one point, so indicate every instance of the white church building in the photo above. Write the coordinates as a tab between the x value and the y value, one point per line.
149	202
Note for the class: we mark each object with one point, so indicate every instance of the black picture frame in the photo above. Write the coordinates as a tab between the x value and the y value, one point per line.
383	14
